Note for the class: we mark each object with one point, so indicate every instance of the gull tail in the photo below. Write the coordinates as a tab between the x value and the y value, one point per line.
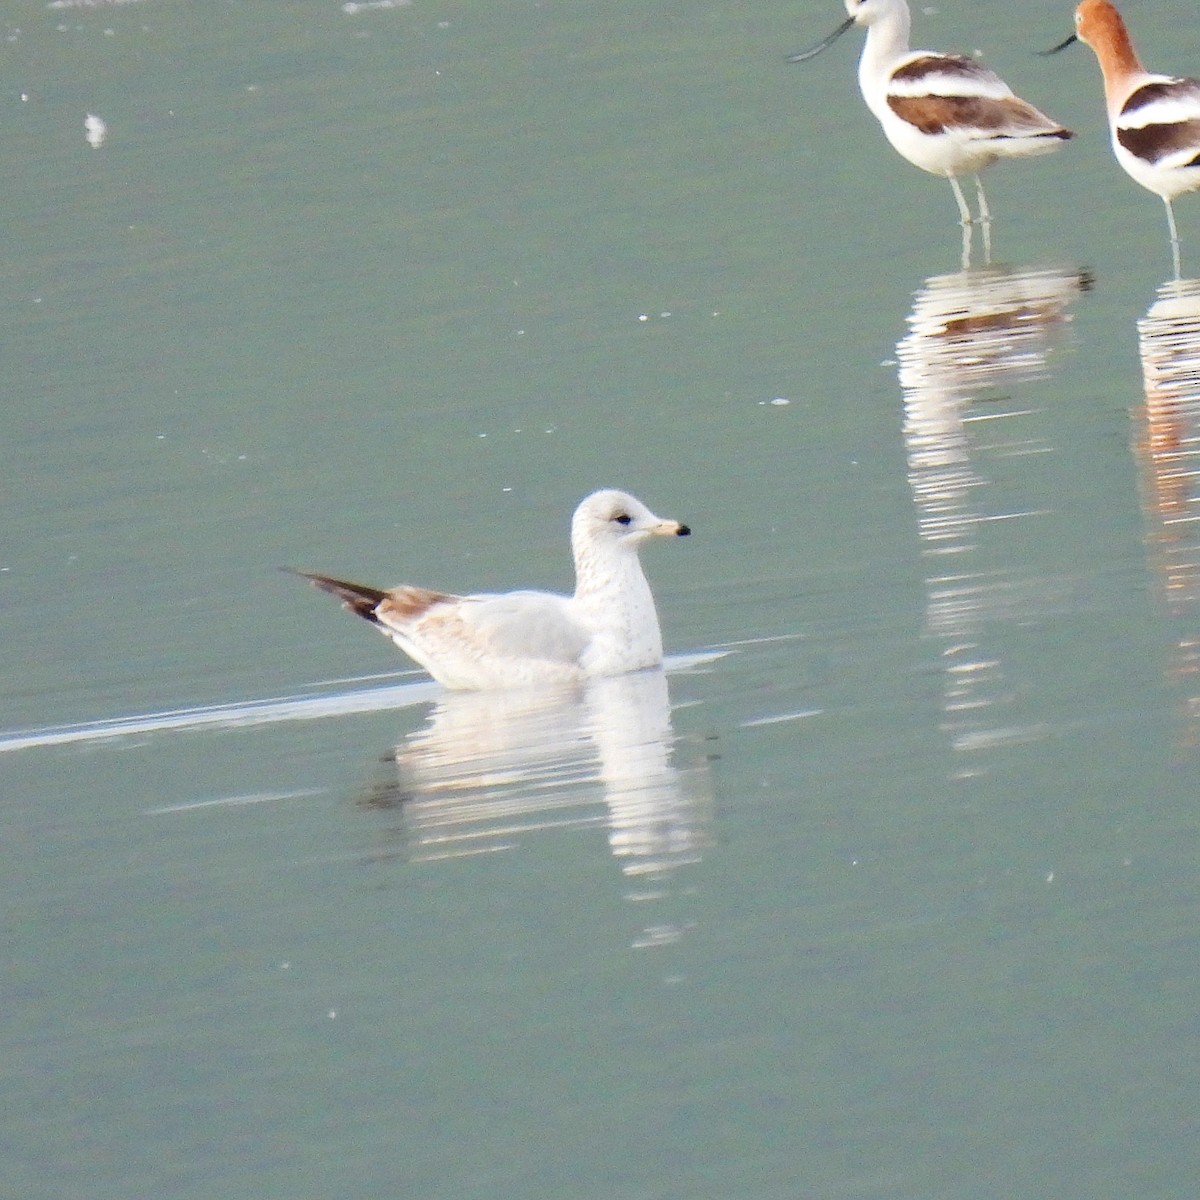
355	597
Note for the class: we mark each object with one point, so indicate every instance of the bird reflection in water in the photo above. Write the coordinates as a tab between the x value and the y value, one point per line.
491	768
1168	453
975	336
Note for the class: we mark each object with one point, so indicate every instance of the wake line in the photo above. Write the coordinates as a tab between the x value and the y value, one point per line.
246	713
238	715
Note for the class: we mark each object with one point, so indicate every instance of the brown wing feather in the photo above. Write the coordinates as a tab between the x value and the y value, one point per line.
355	597
391	608
1007	117
405	604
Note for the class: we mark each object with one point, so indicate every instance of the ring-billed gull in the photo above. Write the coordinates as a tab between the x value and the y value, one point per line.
608	627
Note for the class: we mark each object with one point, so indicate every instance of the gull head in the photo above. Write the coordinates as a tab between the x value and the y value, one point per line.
619	520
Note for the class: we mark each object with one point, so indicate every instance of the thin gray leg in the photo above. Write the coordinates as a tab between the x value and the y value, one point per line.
964	220
963	211
1174	237
985	219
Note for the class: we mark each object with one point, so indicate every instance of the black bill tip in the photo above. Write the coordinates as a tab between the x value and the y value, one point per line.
813	51
1055	49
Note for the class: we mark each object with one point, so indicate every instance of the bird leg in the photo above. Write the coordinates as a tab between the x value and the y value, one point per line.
965	221
985	219
1174	237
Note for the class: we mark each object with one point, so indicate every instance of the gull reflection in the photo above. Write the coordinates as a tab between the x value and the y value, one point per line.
491	768
974	337
1168	452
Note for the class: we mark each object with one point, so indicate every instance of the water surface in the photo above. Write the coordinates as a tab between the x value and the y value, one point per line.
887	888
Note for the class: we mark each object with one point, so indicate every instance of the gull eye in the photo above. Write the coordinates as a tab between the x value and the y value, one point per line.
623	519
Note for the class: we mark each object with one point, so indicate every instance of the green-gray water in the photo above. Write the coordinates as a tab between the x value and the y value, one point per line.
894	897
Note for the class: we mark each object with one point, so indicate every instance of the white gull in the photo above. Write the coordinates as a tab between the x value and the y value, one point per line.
515	639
